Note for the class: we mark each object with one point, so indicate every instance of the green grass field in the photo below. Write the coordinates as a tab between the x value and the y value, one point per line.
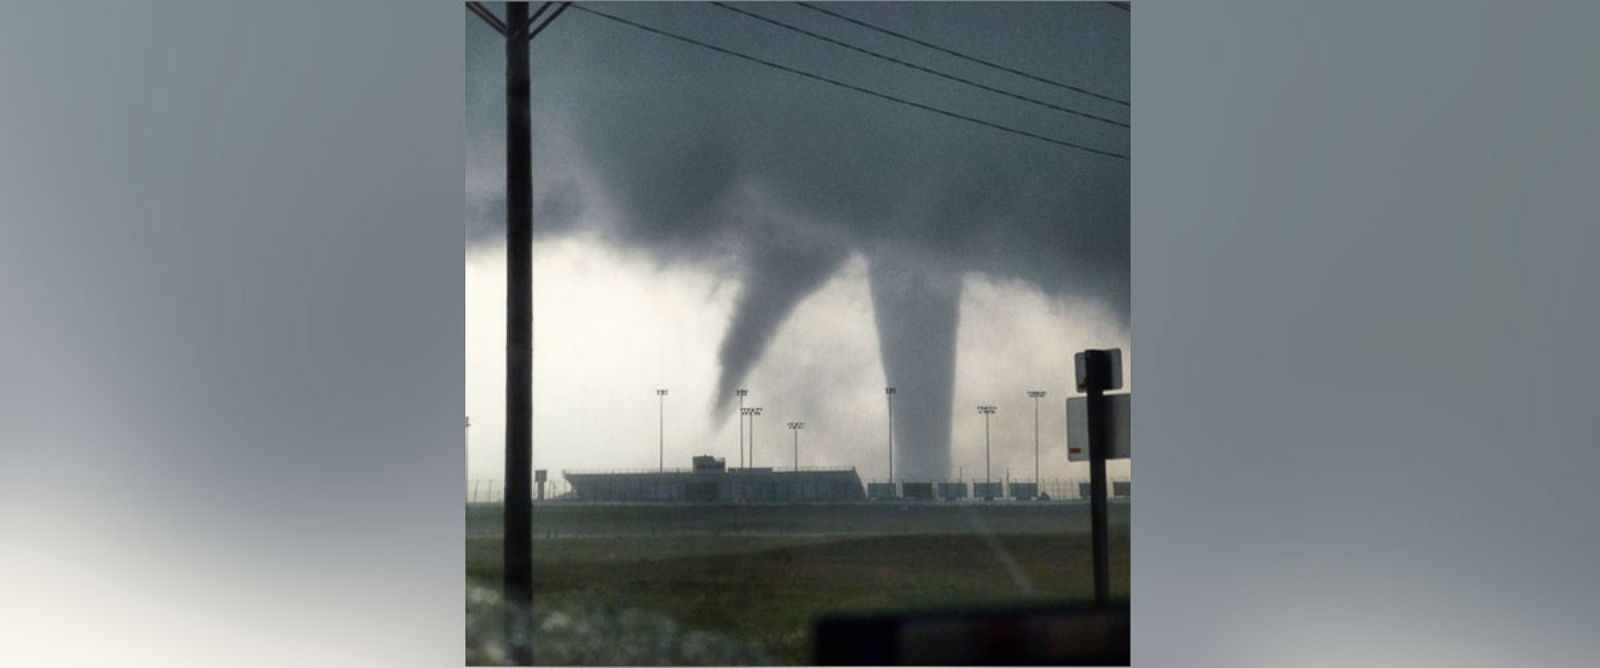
760	575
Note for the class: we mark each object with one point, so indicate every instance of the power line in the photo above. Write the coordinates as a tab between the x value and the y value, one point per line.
841	84
500	26
960	55
489	18
535	32
917	67
535	17
1121	5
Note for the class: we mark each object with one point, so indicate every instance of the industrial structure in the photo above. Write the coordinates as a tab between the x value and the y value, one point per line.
711	481
558	490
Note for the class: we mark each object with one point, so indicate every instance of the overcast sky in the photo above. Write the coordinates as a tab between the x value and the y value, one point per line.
704	223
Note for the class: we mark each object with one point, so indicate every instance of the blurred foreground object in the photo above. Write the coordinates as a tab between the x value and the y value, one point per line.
1080	635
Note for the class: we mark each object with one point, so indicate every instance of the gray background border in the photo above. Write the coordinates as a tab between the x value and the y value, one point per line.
1364	307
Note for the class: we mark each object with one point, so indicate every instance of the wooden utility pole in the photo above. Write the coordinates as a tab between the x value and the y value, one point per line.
518	548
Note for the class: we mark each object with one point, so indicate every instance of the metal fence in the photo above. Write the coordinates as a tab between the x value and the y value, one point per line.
492	490
647	471
1055	489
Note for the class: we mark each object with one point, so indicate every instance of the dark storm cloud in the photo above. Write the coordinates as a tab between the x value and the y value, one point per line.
705	158
556	207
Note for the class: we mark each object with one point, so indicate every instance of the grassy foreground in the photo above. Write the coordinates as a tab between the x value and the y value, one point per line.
743	584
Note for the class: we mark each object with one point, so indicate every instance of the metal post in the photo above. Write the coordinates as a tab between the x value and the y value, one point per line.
741	392
797	426
518	547
661	465
753	413
1097	372
1037	395
889	391
987	469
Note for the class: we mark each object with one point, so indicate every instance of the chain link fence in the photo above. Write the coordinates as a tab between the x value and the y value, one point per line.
493	490
556	489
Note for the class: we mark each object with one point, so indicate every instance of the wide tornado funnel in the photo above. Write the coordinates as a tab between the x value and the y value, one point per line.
917	308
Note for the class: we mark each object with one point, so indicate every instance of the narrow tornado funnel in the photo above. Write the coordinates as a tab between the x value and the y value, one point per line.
783	269
917	308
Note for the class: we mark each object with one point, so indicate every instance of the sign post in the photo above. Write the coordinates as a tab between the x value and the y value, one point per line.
1098	371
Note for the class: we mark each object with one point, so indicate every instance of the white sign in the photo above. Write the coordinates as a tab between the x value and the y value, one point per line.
1117	423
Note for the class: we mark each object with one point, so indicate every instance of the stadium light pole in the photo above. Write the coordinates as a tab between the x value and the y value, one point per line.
1037	395
889	392
797	426
741	392
987	489
661	396
752	412
756	412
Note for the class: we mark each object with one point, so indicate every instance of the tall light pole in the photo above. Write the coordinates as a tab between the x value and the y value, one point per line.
752	412
1037	395
889	392
741	392
987	489
797	426
661	396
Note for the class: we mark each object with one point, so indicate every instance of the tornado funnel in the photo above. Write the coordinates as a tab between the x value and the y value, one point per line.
917	309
